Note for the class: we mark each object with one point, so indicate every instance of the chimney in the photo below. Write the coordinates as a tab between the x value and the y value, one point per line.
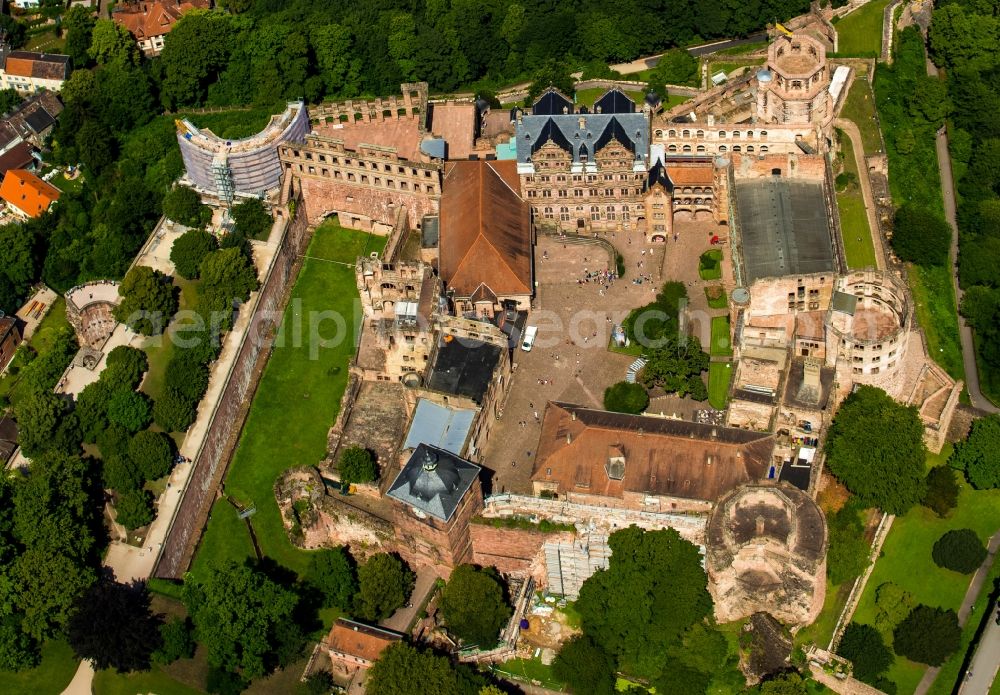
760	526
573	416
583	123
715	433
565	110
569	438
597	110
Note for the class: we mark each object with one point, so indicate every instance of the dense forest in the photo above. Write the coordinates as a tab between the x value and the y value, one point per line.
963	41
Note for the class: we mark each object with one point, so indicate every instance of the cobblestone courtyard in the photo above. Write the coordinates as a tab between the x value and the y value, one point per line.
570	360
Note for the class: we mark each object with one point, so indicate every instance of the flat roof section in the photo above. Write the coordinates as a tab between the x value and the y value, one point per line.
784	228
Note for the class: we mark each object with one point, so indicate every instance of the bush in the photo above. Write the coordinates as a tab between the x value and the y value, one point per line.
658	319
189	250
130	409
676	66
928	635
844	180
178	642
979	455
135	509
920	236
188	378
710	265
152	454
863	645
959	550
624	397
942	490
357	466
173	412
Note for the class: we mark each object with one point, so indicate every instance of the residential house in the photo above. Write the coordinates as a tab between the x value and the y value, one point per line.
354	646
150	22
26	194
29	72
10	338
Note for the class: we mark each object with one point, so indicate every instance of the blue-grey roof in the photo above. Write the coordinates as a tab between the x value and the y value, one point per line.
434	147
434	481
632	129
442	426
614	101
552	102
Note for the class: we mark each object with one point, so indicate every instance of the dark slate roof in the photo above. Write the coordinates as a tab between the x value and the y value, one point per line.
464	367
844	303
434	481
550	131
614	101
632	129
615	130
39	120
658	175
551	103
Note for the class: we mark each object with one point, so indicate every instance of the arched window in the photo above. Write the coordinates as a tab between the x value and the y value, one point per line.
722	133
750	134
763	135
671	133
672	148
736	148
659	133
736	133
686	134
722	148
687	148
700	148
763	148
749	148
700	134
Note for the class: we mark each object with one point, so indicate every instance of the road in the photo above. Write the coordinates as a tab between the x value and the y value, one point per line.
975	587
640	64
986	660
976	396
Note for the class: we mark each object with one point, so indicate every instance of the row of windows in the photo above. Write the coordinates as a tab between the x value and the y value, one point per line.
591	178
722	148
592	192
701	133
364	179
374	166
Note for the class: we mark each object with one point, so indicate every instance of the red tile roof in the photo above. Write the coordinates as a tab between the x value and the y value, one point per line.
485	229
145	20
27	192
359	640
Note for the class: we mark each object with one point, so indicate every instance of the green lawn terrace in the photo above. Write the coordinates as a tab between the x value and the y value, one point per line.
297	387
860	33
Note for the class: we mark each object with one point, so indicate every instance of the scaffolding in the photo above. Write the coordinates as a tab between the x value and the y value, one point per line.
222	175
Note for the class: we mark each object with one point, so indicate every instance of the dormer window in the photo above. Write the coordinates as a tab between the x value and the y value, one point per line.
615	466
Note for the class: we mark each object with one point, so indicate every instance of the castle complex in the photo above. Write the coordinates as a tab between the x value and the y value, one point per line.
447	306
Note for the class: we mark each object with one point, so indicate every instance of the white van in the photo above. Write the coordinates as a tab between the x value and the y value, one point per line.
529	338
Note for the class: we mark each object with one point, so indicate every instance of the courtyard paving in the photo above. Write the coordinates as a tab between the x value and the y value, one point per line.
570	360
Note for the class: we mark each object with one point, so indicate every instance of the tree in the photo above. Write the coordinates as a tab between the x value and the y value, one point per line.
882	465
319	683
474	607
942	491
124	368
863	646
38	415
78	24
979	454
788	683
17	650
384	584
177	642
552	74
244	619
189	250
111	42
928	635
405	670
135	509
678	67
18	264
332	572
847	555
653	591
15	32
677	367
227	277
624	397
9	100
148	300
114	627
95	146
892	605
173	412
920	236
357	466
585	667
130	409
252	219
119	473
152	454
183	205
959	550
